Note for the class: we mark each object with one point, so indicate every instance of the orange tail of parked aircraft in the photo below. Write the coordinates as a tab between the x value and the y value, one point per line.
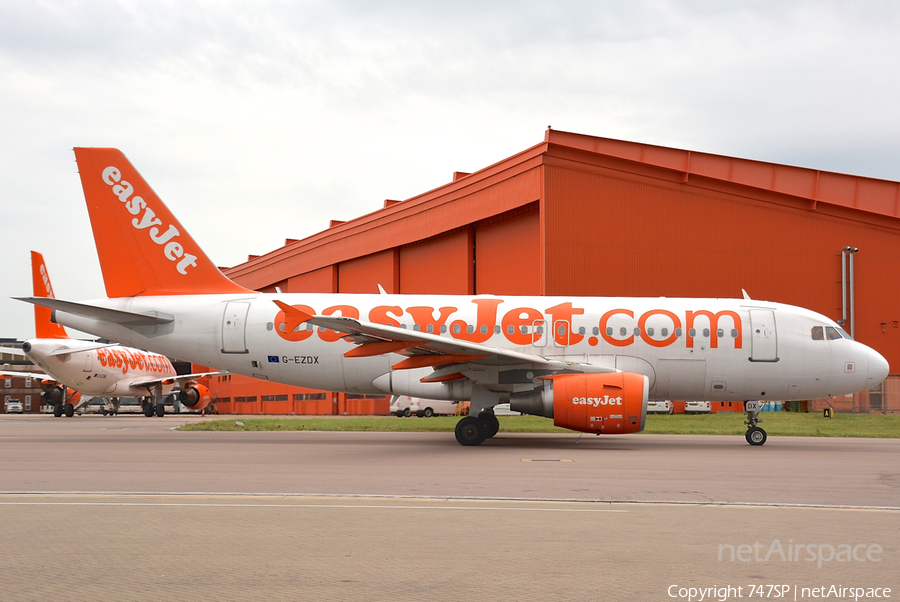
143	249
43	327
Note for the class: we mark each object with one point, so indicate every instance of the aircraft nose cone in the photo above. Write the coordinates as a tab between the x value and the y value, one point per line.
878	368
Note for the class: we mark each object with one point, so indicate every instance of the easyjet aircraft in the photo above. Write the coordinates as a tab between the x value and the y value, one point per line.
589	363
77	371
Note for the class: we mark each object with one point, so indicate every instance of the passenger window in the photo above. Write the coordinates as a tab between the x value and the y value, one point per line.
470	329
581	330
734	333
512	329
484	329
664	332
831	333
623	331
609	331
637	332
818	333
692	332
429	329
720	333
596	331
706	332
649	332
416	327
677	332
456	329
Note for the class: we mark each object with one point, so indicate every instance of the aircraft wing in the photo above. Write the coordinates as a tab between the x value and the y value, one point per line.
423	349
176	380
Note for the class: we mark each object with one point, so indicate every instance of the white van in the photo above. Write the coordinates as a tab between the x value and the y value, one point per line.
401	405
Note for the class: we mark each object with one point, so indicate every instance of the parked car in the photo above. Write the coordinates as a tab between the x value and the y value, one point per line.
697	407
660	407
14	407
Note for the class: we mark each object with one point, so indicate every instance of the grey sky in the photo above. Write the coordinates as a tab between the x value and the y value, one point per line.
260	121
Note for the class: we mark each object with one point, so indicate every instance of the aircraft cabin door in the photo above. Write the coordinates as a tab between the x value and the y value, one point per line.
234	327
763	336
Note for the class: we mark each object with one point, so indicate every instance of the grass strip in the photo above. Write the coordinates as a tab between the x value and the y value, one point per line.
785	424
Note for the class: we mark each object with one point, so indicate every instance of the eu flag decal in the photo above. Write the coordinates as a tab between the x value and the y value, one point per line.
273	359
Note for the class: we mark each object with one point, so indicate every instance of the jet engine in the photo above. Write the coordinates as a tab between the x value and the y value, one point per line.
605	403
196	397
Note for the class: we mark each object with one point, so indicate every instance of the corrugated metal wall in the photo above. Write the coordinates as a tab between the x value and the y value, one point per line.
440	265
613	236
508	255
364	274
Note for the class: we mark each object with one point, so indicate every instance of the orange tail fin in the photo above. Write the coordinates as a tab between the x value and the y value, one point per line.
143	249
43	327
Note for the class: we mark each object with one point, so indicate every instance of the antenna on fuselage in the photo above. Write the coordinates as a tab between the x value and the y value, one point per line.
746	296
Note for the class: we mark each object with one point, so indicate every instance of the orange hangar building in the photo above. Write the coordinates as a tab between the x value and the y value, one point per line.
583	215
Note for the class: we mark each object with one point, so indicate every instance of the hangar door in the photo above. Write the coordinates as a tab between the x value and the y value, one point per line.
234	327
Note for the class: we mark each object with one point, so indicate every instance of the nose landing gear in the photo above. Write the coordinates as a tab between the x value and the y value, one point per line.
755	435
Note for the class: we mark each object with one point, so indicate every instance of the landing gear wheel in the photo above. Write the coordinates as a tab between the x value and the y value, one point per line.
470	431
57	410
148	409
428	413
755	436
69	410
491	424
160	410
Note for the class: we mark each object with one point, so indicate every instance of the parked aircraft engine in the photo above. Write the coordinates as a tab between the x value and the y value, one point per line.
52	393
196	397
603	403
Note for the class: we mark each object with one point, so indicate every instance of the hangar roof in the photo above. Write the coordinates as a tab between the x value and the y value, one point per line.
455	204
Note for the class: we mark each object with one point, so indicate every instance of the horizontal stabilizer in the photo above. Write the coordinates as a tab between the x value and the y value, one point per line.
105	314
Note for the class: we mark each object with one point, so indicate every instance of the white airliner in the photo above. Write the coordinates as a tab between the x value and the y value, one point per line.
589	363
81	370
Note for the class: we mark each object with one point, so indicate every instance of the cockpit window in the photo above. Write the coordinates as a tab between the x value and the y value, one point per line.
844	333
831	333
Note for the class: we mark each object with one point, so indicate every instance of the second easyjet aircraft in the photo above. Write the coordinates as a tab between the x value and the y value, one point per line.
77	370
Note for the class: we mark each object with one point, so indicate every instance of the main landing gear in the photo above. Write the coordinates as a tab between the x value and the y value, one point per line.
473	431
755	435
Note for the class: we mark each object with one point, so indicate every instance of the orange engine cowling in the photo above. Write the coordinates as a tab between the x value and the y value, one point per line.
607	403
196	397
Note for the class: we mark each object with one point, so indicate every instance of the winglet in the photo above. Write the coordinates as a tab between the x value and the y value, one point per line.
143	249
293	317
43	327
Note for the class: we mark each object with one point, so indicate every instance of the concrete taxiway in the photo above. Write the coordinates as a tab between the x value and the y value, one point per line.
126	508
